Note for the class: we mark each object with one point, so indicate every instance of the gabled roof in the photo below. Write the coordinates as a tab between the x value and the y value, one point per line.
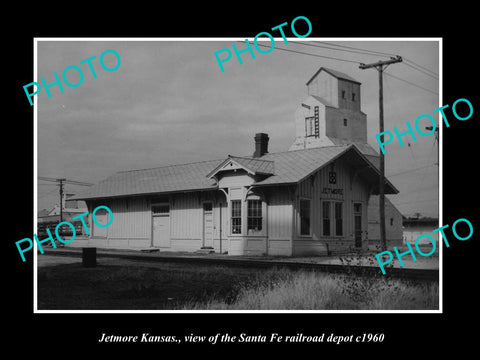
334	73
165	179
289	167
253	166
295	166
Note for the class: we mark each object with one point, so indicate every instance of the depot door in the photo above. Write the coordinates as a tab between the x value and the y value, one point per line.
208	224
357	217
161	225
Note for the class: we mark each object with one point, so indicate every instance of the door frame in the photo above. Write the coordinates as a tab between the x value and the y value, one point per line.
203	222
151	220
355	214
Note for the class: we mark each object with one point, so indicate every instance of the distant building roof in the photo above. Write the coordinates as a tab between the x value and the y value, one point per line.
286	168
335	73
43	212
420	221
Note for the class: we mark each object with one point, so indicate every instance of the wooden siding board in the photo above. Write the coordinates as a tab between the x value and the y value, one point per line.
279	214
356	191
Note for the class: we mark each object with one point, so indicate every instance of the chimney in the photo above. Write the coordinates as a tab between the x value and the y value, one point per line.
261	145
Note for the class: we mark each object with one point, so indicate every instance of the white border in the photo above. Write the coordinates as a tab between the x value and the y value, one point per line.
35	174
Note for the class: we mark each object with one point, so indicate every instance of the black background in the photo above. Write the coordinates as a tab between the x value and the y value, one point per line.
406	334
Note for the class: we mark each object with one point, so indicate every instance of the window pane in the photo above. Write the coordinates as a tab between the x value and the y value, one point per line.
236	225
161	209
304	217
254	221
338	219
236	206
357	208
207	206
326	217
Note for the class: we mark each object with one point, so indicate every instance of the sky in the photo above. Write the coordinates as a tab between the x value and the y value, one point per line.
169	103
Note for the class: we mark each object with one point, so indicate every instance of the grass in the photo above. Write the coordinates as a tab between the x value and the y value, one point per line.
314	291
199	287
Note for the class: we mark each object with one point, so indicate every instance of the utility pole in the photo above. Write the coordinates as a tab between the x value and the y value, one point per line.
61	198
437	141
61	183
380	66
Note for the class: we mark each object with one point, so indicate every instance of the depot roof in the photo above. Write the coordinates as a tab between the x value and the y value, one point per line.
281	168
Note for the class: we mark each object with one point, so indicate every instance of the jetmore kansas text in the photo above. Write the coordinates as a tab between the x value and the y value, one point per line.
57	232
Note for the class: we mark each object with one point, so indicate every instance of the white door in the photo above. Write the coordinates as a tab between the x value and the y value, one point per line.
161	225
208	224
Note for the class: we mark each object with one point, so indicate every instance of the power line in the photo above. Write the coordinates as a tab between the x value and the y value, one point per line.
420	66
65	181
408	82
47	194
372	52
350	61
331	48
410	170
422	71
408	62
305	53
414	202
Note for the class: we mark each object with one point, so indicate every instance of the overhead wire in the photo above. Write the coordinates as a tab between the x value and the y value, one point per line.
373	52
420	70
410	170
331	48
408	62
358	50
305	53
414	202
420	66
409	82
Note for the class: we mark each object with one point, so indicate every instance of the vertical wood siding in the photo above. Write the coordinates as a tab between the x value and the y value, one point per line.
279	214
311	188
131	219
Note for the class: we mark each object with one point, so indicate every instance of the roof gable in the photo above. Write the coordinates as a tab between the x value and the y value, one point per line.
334	73
253	166
295	166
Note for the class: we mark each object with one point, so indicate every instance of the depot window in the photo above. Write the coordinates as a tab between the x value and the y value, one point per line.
332	218
305	217
236	219
254	215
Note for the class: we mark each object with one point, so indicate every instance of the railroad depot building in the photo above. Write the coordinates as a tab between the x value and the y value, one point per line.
310	200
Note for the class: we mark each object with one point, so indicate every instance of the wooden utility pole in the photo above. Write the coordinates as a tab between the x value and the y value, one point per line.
61	183
380	66
437	141
61	198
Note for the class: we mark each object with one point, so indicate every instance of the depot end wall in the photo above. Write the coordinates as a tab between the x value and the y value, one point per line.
316	188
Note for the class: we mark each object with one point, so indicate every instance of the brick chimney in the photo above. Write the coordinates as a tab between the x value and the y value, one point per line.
261	144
